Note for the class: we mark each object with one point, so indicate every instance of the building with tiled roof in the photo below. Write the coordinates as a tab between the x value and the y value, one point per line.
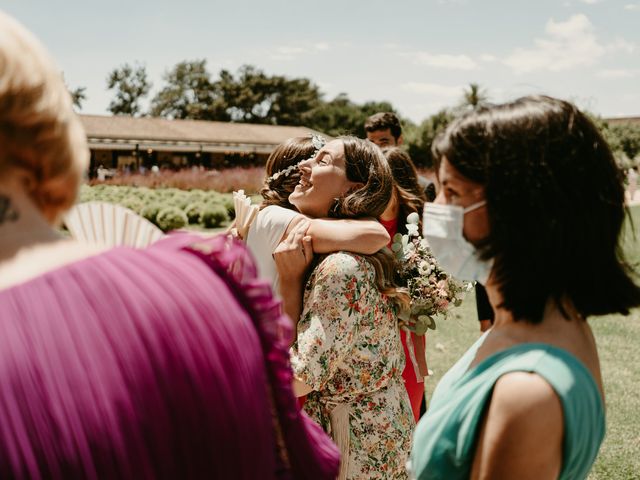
621	120
124	142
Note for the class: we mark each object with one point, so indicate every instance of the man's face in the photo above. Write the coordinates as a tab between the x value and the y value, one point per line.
382	138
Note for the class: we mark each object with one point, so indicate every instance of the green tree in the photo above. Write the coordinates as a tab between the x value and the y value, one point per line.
189	93
255	97
78	95
131	84
474	96
341	116
623	138
628	138
419	139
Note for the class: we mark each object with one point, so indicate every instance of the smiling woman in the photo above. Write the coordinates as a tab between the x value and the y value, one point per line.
347	355
323	179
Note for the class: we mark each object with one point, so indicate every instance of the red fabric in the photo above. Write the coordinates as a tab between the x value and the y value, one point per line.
391	226
414	388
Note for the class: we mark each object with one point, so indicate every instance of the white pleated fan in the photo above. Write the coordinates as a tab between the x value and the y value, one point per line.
245	214
111	225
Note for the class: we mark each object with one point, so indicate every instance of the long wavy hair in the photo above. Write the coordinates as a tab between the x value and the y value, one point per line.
411	197
276	191
365	163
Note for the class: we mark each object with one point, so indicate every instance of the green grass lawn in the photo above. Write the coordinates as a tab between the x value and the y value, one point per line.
618	340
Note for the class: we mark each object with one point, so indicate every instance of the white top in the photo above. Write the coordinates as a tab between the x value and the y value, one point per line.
265	233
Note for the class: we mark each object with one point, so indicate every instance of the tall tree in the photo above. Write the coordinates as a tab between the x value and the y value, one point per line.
474	96
341	116
78	95
131	84
255	97
419	138
189	93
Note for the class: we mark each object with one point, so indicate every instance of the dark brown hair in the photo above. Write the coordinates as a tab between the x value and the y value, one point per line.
555	202
291	152
365	163
411	197
383	121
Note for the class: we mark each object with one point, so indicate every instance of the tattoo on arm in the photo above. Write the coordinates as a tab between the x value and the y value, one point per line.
7	212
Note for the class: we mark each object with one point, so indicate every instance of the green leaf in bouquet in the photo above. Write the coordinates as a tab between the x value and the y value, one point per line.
423	322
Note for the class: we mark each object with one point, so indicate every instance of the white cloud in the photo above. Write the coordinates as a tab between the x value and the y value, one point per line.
286	52
632	7
620	44
487	57
617	73
566	45
291	52
591	2
433	89
442	60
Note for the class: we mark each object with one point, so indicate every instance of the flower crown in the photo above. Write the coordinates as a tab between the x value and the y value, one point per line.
318	141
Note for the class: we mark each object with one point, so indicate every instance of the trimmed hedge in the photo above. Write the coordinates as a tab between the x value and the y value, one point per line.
208	209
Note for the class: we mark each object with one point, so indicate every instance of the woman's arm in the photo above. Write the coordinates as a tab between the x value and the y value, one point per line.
326	331
292	258
333	235
522	433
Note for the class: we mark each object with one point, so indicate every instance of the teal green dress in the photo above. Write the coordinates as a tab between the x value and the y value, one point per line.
445	439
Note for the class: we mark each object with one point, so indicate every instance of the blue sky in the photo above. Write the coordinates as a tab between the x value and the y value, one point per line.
417	54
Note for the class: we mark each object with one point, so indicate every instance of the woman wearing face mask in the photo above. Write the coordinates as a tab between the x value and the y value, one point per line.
532	204
347	355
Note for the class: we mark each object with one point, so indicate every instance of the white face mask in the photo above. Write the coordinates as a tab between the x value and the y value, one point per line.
442	229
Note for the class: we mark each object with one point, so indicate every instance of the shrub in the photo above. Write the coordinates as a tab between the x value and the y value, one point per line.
132	202
171	218
151	210
193	211
227	201
180	200
196	196
213	216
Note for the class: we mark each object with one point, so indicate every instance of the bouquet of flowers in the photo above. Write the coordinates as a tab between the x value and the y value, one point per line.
431	290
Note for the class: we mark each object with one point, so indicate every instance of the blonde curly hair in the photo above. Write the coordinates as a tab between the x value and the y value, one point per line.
40	133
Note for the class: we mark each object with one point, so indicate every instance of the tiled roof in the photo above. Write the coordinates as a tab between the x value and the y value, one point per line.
619	120
105	131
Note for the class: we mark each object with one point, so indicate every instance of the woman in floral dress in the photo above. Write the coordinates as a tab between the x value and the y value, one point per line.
347	356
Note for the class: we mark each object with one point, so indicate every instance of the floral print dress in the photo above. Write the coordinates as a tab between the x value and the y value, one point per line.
348	351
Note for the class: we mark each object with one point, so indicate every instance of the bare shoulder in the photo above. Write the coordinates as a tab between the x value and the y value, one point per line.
522	432
519	391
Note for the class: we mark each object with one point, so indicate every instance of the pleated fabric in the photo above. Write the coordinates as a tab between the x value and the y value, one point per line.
169	362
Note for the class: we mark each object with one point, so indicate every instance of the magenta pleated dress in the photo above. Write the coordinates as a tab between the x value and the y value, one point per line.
170	362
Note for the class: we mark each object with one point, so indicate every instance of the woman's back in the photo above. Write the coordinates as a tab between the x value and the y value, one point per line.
141	364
